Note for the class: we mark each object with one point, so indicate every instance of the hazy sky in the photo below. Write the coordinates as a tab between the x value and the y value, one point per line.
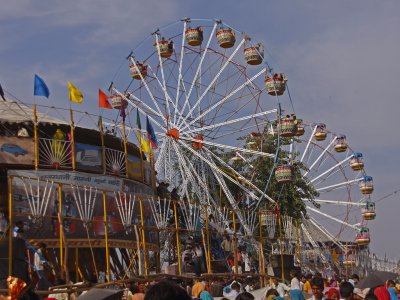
342	58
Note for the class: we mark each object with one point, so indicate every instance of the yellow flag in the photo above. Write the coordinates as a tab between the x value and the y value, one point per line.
144	145
75	95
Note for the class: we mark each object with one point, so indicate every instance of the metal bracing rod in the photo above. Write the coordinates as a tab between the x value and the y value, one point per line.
232	121
338	202
355	226
326	233
330	169
160	156
148	91
167	97
319	157
180	72
308	143
258	153
197	71
164	87
339	184
241	177
141	110
220	102
213	81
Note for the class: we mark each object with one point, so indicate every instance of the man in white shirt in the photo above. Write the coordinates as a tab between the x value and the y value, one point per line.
280	287
295	282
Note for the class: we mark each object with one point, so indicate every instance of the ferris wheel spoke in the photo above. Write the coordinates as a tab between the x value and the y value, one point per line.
338	202
148	91
313	243
213	81
243	150
178	86
332	168
320	156
141	109
248	81
197	71
308	143
326	233
337	185
167	97
242	179
355	226
163	86
233	121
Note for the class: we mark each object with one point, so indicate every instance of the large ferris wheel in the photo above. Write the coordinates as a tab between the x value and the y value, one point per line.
212	96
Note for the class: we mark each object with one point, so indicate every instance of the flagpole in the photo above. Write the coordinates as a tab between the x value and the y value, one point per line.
35	138
72	138
140	143
103	149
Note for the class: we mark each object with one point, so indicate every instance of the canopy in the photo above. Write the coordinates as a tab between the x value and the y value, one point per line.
101	294
376	278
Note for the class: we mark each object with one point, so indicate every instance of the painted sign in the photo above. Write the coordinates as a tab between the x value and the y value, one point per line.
88	157
16	150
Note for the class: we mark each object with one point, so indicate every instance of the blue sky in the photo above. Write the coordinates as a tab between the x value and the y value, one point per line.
342	59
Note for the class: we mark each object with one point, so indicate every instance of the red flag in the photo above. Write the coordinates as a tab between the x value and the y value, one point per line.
103	100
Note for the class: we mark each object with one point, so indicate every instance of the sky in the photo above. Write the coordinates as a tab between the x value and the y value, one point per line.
341	57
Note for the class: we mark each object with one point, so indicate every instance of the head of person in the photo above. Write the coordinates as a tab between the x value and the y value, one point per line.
165	290
235	286
244	296
333	294
303	278
346	290
275	281
355	278
317	287
390	284
293	273
273	292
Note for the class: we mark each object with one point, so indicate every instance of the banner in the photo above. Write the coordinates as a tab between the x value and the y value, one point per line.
16	150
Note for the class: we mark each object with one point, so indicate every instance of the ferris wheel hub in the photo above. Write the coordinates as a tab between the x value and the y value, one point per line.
174	133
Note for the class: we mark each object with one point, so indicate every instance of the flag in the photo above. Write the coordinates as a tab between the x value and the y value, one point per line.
144	146
40	87
2	93
75	95
152	136
103	100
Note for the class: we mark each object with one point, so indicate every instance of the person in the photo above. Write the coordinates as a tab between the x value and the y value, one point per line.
198	259
382	293
227	245
232	291
271	294
333	294
3	222
135	293
317	287
296	294
205	295
354	279
187	256
216	288
307	284
166	290
280	287
346	290
294	282
18	229
197	288
392	290
244	296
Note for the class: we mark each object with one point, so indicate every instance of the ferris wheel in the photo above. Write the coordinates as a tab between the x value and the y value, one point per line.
210	94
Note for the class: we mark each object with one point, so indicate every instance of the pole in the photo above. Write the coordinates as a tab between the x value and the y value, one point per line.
72	140
106	235
281	245
125	144
60	220
177	240
103	149
209	271
143	236
298	244
235	242
261	253
77	264
10	227
35	138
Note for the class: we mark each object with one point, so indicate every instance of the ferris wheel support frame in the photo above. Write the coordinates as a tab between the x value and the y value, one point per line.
327	233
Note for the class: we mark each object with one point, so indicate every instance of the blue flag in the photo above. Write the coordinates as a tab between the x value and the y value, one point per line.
152	136
40	88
